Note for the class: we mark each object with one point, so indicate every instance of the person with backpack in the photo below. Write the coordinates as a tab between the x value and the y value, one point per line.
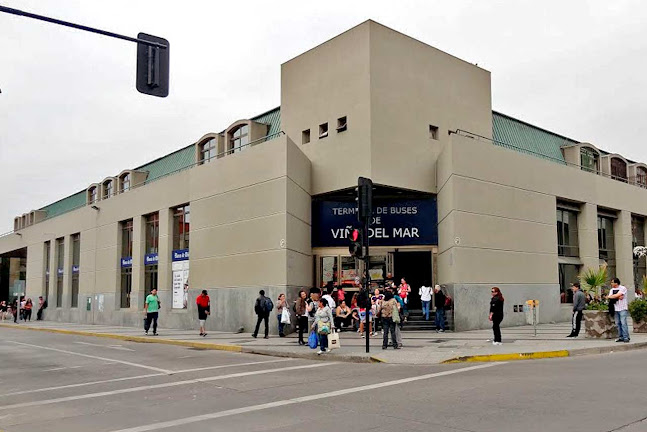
262	308
386	309
204	310
440	300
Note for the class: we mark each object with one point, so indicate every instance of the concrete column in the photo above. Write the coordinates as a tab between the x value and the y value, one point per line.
164	270
139	245
624	253
587	230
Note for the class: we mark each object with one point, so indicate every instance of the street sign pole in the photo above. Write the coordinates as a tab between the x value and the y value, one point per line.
364	214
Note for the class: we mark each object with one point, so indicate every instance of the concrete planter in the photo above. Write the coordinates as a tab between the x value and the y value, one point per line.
640	327
599	325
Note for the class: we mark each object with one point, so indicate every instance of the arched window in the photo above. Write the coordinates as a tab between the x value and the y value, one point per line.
618	169
239	138
641	177
92	195
208	150
589	159
125	182
108	189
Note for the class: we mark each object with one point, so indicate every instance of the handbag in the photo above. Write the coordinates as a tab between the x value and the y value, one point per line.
323	327
333	340
395	315
285	316
313	340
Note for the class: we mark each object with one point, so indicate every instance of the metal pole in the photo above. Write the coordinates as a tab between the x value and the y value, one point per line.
78	26
367	284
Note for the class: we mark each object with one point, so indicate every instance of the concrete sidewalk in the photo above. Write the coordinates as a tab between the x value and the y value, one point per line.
519	343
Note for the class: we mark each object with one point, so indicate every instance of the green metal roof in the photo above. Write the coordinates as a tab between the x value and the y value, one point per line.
517	135
178	160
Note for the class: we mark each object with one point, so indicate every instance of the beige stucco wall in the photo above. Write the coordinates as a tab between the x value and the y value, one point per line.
250	229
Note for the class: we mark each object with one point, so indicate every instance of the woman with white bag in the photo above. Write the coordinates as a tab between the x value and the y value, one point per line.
282	309
323	324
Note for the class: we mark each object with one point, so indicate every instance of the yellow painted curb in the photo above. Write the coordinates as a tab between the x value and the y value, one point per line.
377	360
140	339
509	357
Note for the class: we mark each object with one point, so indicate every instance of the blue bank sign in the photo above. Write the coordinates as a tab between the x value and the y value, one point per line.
180	255
394	222
151	259
126	262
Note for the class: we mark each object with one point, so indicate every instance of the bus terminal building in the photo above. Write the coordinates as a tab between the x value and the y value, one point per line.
464	196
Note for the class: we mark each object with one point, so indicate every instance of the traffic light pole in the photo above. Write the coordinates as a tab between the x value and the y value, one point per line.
367	284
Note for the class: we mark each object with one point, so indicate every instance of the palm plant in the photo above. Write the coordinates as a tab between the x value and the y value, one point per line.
592	280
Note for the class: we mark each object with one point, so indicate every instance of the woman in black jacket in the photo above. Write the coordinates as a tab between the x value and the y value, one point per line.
496	314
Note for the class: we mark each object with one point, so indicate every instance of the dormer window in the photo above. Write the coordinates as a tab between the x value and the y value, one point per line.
641	177
92	195
618	169
208	150
108	189
239	138
125	183
589	160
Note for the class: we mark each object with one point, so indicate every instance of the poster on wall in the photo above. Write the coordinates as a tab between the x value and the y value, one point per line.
180	284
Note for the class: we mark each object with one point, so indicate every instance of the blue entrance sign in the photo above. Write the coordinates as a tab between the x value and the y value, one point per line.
394	222
151	259
126	262
180	255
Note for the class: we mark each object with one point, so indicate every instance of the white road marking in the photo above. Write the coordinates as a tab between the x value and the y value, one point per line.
156	386
252	408
40	390
166	371
61	368
117	347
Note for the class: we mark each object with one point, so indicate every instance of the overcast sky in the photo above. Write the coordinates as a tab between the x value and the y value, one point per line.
70	114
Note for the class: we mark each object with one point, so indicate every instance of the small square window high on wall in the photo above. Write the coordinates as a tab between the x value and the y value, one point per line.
305	136
323	130
342	124
433	132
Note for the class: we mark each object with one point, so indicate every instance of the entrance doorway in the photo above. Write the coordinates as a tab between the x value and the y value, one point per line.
415	268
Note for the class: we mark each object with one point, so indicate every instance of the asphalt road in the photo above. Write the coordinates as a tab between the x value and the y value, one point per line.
51	382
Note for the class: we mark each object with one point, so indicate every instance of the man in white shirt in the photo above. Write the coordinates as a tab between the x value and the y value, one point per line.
619	293
425	296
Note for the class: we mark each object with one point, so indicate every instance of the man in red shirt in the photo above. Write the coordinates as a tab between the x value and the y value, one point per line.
204	309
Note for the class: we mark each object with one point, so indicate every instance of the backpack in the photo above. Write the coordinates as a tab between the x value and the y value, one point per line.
268	305
448	302
257	307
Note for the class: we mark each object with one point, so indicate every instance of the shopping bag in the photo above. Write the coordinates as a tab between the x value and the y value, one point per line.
313	340
285	316
333	340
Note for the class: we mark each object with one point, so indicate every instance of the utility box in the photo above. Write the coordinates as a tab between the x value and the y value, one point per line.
531	308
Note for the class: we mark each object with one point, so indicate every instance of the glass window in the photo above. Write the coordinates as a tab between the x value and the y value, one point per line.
125	183
46	259
152	233
618	169
638	239
641	177
328	270
92	195
60	259
150	280
181	220
589	159
606	244
208	150
75	290
567	238
567	275
126	286
107	189
239	139
127	238
76	249
76	257
349	271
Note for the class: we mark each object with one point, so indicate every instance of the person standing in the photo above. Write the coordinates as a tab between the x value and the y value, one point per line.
204	310
496	314
3	310
262	307
151	310
425	297
28	307
386	308
404	291
439	299
14	307
322	324
23	303
579	303
301	310
281	304
42	305
619	293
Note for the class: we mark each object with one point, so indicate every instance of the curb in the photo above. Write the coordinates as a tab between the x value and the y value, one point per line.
547	354
204	345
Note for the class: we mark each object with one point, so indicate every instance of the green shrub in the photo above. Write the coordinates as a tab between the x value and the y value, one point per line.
638	310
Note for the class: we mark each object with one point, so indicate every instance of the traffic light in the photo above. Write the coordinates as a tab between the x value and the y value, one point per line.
355	247
364	198
152	66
